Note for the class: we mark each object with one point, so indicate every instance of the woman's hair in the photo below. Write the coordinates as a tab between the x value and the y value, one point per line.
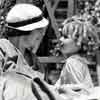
10	32
82	32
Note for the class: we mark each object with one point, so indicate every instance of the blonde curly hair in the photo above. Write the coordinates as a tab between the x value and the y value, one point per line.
82	32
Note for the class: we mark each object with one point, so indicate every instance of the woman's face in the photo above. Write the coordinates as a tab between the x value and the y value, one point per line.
32	40
68	46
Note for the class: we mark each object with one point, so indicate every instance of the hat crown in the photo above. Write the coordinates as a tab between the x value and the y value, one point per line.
21	12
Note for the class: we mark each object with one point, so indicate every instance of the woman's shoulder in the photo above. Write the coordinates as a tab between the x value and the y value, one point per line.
7	47
3	40
4	43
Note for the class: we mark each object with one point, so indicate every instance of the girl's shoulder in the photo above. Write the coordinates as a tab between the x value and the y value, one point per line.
77	59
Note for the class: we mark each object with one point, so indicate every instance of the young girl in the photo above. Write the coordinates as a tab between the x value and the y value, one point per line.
77	37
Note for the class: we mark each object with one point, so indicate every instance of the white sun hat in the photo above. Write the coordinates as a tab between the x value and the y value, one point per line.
26	17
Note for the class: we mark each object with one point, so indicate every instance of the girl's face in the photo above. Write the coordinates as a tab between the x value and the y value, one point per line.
68	46
32	40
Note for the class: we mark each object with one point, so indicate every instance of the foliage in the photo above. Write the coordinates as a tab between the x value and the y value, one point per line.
5	6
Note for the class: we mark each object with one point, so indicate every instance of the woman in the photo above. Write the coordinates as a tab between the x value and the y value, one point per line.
25	29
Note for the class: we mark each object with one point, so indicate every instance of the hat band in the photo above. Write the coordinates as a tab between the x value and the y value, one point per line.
26	22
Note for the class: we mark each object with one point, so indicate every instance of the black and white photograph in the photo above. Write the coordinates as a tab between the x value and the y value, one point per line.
49	49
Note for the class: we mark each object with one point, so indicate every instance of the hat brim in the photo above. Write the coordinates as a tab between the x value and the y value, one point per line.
43	23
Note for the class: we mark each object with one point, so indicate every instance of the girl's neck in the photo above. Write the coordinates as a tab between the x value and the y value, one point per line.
70	54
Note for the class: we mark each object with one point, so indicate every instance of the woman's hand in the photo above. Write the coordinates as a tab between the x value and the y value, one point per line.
73	89
64	89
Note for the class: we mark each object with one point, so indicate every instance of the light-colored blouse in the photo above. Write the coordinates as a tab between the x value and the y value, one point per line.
75	71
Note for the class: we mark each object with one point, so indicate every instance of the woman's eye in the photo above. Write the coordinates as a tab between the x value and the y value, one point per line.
65	36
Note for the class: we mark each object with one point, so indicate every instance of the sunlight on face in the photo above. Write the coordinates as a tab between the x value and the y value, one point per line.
68	45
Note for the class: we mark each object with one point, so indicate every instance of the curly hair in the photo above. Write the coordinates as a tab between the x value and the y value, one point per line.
82	32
